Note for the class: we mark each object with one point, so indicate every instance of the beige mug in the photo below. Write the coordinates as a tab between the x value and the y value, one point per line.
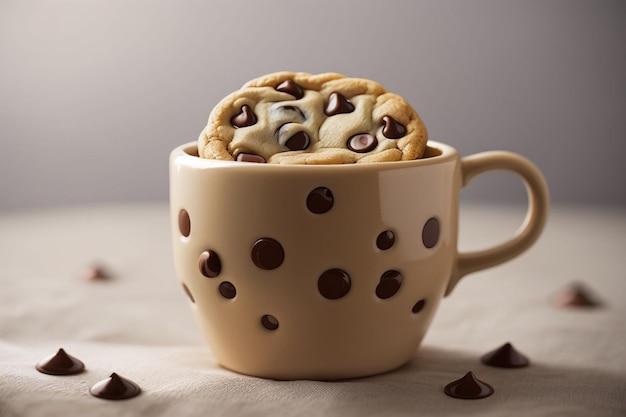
328	271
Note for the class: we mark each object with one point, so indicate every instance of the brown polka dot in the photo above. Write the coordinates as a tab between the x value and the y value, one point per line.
419	306
184	223
188	292
227	290
430	233
334	283
338	104
389	284
385	240
298	142
267	253
393	129
362	143
320	200
290	87
245	117
209	264
269	322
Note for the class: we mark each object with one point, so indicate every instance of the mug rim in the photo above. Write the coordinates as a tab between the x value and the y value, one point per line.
436	153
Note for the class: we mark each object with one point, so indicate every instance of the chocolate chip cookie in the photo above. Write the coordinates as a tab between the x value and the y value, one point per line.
301	118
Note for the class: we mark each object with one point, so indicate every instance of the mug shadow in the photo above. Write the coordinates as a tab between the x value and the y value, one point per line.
417	388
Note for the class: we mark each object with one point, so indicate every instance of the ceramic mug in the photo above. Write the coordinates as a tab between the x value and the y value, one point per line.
328	271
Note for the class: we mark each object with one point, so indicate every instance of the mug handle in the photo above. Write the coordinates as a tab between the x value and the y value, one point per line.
529	231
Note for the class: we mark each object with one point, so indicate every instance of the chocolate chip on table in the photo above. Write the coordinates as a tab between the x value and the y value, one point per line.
389	284
506	356
209	264
362	143
60	363
320	200
115	387
267	253
245	117
469	388
290	87
338	104
393	129
576	295
95	272
298	142
334	283
184	223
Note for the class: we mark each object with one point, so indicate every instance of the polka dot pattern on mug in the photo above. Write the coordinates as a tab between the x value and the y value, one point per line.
269	322
389	284
184	223
227	290
267	253
430	233
209	264
334	284
320	200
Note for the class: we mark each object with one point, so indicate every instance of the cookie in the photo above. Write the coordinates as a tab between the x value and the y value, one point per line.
301	118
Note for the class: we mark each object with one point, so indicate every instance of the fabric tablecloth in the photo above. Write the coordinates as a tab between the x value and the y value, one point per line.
139	325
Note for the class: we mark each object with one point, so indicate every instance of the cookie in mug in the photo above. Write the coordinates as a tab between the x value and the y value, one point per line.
301	118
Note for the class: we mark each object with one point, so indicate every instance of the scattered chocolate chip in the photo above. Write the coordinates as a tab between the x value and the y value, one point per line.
430	233
209	264
269	322
362	143
290	87
250	157
468	388
60	364
338	104
95	273
419	306
188	292
227	290
385	240
506	356
320	200
245	117
393	129
576	296
334	283
184	223
267	253
115	387
389	284
298	142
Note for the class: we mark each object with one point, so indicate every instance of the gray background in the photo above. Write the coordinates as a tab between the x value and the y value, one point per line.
94	94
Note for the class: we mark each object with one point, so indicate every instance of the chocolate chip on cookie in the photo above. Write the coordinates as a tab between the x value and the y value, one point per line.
393	129
338	104
290	87
244	118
